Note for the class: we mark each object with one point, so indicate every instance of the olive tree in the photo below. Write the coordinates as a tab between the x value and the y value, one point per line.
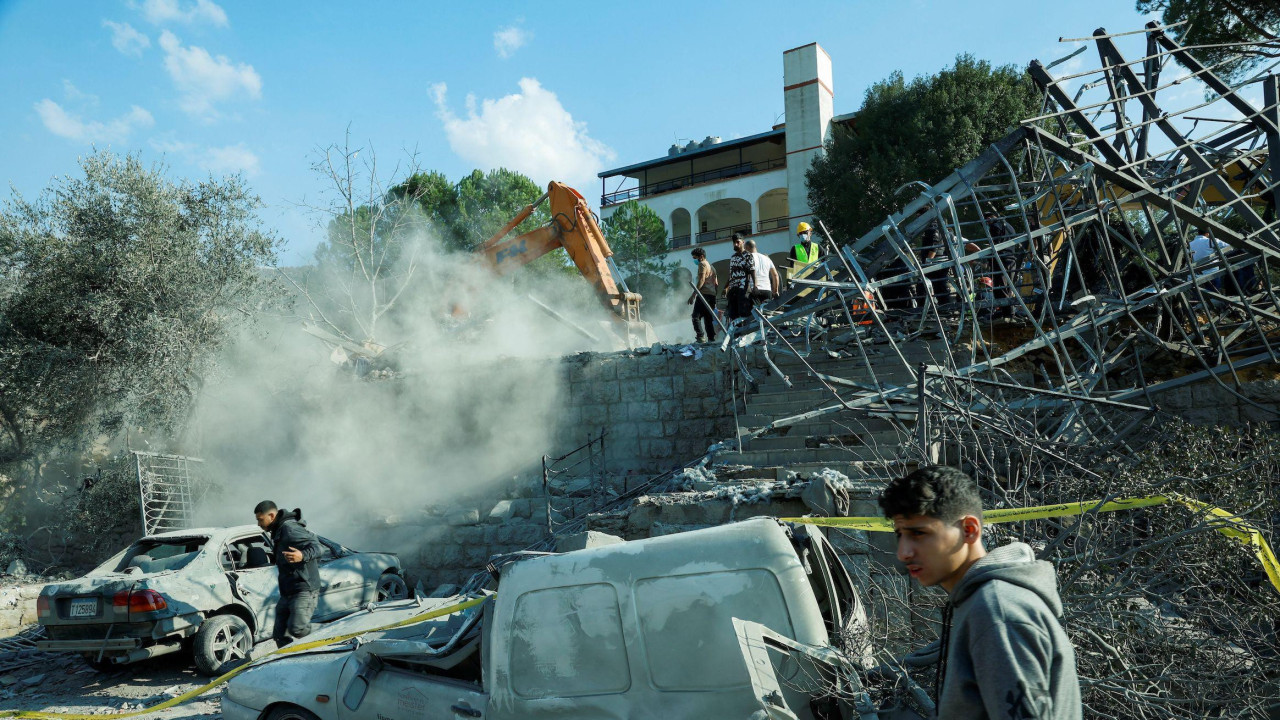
118	287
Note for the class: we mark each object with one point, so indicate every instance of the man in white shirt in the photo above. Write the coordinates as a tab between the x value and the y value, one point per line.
767	283
1203	249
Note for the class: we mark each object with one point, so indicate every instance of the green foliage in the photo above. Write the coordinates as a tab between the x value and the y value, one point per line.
638	238
120	288
919	130
1228	27
488	201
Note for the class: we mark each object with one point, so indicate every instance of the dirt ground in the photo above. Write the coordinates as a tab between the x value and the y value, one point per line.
63	683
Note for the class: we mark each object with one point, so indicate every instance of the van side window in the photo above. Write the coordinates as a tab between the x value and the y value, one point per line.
569	641
686	624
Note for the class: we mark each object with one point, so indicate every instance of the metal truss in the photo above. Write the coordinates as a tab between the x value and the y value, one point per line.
1045	292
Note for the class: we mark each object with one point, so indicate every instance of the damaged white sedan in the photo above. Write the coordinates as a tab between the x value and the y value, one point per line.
212	589
756	619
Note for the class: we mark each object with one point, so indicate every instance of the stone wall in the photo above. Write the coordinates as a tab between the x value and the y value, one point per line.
660	408
1208	403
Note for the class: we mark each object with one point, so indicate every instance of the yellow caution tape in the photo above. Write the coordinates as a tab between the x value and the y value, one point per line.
1227	523
222	679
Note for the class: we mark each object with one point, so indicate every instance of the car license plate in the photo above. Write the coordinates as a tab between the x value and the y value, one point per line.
84	607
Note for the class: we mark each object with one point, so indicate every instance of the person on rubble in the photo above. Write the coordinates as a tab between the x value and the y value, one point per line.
806	250
766	275
933	249
297	554
707	286
1010	259
1002	652
742	274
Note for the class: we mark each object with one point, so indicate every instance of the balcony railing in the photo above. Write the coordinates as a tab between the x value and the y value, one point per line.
679	242
622	196
773	224
723	233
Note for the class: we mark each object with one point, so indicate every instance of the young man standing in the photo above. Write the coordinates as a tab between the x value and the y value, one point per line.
742	271
1002	653
297	554
703	298
766	275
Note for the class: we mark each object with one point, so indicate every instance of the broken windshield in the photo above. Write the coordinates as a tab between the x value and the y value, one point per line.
152	556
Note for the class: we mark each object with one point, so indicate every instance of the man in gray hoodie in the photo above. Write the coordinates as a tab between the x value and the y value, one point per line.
1002	652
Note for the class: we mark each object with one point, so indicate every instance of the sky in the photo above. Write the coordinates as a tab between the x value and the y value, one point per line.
212	87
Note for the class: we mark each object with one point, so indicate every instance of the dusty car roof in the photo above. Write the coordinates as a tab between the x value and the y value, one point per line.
718	548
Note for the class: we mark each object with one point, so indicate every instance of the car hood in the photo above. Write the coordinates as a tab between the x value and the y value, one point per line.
366	621
298	678
293	678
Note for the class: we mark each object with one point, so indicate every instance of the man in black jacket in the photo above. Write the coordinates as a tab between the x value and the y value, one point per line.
297	554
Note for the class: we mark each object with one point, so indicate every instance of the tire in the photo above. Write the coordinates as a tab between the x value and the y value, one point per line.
222	643
391	586
290	712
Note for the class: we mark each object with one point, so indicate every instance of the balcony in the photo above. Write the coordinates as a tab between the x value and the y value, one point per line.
778	223
723	233
680	183
679	242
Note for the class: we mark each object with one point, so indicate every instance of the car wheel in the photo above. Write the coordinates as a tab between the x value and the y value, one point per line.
290	712
223	642
391	586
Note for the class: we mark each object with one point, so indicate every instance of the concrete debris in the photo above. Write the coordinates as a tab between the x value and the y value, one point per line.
17	568
827	497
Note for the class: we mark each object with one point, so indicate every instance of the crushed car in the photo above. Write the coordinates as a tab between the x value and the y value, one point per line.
756	619
211	589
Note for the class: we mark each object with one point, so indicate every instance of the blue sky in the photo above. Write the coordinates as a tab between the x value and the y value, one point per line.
556	91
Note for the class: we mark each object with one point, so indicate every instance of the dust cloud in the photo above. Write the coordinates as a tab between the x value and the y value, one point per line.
459	401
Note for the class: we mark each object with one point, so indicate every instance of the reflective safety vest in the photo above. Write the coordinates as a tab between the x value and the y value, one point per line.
804	258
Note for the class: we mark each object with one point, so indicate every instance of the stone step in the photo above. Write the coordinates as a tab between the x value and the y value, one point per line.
787	408
794	441
804	378
806	455
833	424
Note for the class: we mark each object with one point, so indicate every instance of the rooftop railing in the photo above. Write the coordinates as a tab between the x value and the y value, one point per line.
679	183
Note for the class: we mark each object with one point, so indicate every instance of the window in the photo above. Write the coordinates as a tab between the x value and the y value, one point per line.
151	556
569	642
686	624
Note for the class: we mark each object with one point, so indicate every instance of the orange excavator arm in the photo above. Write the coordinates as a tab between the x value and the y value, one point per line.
572	227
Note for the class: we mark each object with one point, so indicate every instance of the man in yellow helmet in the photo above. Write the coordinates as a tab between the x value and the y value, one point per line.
806	250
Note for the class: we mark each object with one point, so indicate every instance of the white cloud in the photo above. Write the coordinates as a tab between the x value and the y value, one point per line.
126	39
159	12
225	160
510	39
64	124
76	96
529	131
230	159
204	79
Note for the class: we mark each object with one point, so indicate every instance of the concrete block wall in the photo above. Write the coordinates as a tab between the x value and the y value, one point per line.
660	409
1208	403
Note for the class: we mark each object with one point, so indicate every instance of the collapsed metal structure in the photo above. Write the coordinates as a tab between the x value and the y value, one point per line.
1023	319
1050	274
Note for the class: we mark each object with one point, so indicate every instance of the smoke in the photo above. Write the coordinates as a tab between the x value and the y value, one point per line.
459	401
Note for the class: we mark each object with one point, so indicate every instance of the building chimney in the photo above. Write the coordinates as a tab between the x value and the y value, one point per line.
810	103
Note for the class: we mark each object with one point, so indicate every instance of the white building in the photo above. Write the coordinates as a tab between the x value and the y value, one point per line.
706	191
